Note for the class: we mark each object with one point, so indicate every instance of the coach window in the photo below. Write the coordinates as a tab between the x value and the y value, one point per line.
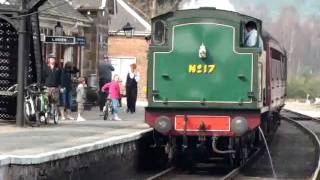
158	32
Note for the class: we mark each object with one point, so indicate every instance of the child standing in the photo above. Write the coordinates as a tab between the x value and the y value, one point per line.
114	94
81	98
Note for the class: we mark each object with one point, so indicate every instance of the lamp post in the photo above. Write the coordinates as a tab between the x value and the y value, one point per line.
128	30
58	29
20	121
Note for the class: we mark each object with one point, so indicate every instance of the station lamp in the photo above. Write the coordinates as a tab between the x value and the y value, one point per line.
128	30
58	29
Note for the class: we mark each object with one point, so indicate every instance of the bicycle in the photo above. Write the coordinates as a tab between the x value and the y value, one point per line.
37	106
53	109
30	102
31	112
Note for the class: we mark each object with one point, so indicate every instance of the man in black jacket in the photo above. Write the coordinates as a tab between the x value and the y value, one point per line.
105	69
52	75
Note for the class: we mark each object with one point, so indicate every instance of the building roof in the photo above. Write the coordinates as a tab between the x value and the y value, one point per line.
63	9
89	4
126	14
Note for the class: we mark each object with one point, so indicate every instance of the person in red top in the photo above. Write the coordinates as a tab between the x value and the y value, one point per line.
114	95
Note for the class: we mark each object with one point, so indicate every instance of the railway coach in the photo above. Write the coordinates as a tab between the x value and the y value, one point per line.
208	93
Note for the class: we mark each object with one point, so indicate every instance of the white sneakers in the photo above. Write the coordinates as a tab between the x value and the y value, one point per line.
70	117
116	117
67	118
80	119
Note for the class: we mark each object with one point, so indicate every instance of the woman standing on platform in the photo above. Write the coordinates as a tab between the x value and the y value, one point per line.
132	88
66	84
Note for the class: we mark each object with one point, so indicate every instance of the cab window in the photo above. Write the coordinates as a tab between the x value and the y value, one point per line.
158	32
250	36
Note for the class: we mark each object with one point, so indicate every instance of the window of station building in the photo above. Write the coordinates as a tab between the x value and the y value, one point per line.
112	7
158	33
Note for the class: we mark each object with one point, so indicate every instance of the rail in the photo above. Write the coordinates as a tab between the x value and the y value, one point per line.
316	138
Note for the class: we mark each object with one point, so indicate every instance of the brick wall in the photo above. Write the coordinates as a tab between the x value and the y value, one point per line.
132	47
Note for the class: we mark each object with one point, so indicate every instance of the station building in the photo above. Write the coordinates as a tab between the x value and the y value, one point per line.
75	31
128	28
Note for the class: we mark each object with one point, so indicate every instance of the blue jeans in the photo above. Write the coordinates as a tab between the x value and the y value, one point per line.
115	104
67	98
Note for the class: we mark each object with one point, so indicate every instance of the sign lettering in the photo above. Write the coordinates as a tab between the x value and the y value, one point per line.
81	41
201	68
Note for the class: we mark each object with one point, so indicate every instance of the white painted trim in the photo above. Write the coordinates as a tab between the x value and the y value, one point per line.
172	48
134	14
136	33
123	57
103	4
85	24
7	159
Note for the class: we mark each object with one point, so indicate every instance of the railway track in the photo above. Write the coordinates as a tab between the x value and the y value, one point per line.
310	127
173	173
214	172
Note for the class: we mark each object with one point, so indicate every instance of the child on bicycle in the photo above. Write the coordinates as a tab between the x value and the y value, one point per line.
81	98
114	94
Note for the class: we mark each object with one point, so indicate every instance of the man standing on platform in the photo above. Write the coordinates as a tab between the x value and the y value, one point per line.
105	76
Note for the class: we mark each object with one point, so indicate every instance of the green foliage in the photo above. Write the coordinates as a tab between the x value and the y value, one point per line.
300	86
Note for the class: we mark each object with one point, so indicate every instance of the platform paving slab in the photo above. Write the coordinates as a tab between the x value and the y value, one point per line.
304	108
34	145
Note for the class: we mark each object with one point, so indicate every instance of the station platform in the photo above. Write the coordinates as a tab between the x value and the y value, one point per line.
303	108
35	145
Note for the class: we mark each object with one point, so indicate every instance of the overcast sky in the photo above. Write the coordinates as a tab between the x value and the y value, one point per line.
304	7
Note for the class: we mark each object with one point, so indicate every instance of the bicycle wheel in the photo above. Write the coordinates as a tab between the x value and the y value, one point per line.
37	119
30	118
55	115
105	113
46	118
27	113
107	110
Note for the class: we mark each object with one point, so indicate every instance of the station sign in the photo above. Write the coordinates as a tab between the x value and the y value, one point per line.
81	41
67	40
